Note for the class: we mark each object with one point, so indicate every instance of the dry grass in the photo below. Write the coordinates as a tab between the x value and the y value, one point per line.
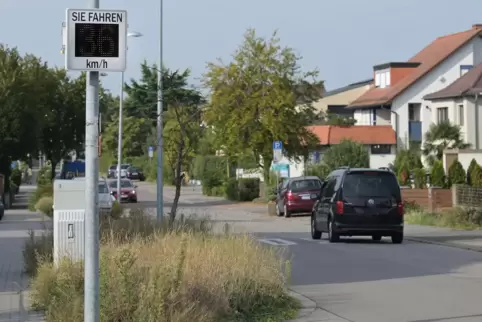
186	273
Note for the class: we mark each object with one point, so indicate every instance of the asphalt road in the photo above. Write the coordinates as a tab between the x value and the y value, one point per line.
357	280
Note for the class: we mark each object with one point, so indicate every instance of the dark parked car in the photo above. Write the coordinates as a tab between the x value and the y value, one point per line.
128	190
297	195
134	173
112	171
359	202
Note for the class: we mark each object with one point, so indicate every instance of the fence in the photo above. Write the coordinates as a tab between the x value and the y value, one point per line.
432	199
467	196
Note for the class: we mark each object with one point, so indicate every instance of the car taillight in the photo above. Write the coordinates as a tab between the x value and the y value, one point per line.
290	195
340	207
401	208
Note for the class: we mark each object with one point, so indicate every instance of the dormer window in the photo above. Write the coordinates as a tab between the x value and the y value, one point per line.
382	78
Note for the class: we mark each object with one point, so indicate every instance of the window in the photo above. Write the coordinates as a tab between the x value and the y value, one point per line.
377	79
371	184
461	114
304	185
414	112
103	188
381	148
329	188
383	82
442	114
464	69
387	78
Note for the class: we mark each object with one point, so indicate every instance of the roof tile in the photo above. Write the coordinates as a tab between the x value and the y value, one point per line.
430	57
365	134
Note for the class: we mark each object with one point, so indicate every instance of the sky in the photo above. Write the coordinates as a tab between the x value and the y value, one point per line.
342	39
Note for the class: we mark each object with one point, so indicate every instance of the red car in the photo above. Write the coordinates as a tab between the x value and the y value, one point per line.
297	195
128	190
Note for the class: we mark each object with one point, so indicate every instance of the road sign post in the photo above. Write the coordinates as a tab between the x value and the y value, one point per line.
150	151
277	156
96	40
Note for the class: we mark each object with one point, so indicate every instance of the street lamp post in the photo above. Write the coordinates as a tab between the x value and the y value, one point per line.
160	189
119	140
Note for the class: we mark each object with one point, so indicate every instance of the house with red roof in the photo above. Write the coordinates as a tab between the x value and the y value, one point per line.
398	94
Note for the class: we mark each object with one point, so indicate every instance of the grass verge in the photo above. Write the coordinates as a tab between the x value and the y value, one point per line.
456	218
177	273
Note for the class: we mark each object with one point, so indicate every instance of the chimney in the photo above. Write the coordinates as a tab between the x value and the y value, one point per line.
477	26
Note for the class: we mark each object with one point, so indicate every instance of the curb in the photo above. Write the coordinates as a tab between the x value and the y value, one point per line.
446	244
307	306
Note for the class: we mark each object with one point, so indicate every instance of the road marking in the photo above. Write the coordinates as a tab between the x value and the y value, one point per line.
277	242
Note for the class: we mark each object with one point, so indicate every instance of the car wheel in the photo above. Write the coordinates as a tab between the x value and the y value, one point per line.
278	212
377	237
315	233
333	237
286	212
397	238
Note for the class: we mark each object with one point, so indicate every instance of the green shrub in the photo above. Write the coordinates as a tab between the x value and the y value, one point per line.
347	153
420	178
117	210
16	177
248	189
231	189
437	175
410	158
44	176
41	191
217	191
471	167
44	205
457	174
403	175
476	176
320	170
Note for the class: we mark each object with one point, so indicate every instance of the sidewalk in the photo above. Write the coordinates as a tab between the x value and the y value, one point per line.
14	229
465	239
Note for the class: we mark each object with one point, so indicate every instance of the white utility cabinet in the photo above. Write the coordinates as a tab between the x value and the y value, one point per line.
69	218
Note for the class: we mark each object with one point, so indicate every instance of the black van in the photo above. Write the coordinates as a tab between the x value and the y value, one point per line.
359	202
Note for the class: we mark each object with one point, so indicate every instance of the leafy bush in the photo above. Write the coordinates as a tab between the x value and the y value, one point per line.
437	175
44	176
320	170
409	158
169	276
403	175
458	217
44	205
347	153
117	210
457	173
231	189
420	178
248	189
476	176
16	177
470	169
41	191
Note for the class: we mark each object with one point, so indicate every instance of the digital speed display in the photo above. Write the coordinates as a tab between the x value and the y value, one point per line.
97	40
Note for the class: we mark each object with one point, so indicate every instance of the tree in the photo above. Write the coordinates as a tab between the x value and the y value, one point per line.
22	99
410	159
471	168
437	175
181	138
260	97
63	124
347	153
440	137
135	132
457	174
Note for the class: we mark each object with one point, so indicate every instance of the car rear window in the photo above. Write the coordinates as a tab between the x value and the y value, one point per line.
371	184
304	185
112	167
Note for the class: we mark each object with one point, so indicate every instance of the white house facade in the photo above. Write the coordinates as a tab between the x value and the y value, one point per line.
397	97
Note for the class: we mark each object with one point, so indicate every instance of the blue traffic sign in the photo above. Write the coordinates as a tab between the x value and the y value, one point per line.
151	149
277	145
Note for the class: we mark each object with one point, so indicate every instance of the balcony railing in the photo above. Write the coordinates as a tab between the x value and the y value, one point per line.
415	131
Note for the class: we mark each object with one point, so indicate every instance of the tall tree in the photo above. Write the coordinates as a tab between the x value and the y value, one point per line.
63	124
22	98
181	136
135	132
260	97
440	137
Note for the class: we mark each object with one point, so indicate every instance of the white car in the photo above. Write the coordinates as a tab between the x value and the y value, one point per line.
106	199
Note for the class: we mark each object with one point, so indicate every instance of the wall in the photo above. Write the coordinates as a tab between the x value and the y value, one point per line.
343	98
473	121
464	157
450	70
382	160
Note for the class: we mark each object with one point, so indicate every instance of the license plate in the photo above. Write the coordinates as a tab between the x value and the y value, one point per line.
134	173
123	196
305	197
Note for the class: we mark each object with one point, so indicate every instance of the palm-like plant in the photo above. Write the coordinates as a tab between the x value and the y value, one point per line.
440	137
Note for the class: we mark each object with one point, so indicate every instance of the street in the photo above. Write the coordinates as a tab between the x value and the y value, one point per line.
355	280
